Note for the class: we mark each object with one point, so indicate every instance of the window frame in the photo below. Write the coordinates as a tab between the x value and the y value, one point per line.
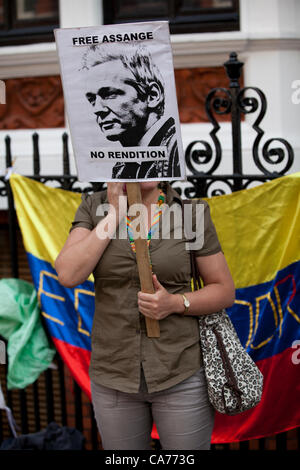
25	31
210	20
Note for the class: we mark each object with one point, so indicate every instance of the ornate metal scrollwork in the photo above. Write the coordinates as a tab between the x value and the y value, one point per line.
3	187
219	186
279	154
194	156
234	101
272	156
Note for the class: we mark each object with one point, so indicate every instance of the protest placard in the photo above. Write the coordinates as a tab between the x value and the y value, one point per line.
120	96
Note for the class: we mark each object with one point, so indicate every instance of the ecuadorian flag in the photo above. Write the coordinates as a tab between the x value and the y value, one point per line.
259	231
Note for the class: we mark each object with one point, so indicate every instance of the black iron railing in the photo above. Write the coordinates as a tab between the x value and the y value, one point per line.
233	101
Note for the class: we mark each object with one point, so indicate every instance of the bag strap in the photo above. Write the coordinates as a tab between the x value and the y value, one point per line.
231	379
195	275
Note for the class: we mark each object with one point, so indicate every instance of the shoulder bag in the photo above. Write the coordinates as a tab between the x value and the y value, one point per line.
234	381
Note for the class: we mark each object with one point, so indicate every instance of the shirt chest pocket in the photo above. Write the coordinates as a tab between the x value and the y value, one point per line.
116	261
171	261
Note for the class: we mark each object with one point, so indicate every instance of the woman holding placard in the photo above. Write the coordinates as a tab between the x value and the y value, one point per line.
136	379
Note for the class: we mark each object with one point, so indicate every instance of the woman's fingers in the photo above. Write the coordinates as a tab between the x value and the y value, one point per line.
143	296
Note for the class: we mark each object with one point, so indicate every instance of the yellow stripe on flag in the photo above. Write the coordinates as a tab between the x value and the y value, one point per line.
45	215
257	228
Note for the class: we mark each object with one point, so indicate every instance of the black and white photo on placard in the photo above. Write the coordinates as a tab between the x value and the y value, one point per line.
120	95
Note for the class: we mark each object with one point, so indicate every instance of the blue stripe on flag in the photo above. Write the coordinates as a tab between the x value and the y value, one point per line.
266	316
68	312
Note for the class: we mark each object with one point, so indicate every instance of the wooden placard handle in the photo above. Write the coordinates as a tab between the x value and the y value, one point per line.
143	262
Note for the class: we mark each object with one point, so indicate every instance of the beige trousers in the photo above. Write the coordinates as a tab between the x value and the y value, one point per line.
183	416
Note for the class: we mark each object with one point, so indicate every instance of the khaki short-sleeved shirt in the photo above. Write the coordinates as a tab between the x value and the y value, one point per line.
120	345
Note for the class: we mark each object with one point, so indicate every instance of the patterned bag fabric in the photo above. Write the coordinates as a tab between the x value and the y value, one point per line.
234	381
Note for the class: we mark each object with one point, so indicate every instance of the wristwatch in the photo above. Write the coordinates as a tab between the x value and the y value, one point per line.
186	303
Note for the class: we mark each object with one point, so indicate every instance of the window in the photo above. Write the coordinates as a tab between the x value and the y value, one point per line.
185	16
27	21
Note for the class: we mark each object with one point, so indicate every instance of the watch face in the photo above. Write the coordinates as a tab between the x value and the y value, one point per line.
186	303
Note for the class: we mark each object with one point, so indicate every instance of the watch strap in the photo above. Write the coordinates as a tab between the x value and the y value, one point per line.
184	301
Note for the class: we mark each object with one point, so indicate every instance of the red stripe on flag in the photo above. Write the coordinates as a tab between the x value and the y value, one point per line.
78	361
279	409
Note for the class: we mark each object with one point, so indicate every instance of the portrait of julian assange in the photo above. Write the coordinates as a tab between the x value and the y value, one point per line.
126	94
